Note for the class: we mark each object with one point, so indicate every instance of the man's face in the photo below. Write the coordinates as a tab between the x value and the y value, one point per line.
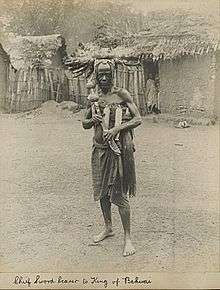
104	79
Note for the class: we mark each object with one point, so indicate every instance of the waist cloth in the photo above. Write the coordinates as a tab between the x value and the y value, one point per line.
114	175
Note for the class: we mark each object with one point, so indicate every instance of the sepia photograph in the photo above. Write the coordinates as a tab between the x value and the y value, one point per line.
109	151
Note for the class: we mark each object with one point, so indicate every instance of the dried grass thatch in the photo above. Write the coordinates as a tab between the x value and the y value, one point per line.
173	33
29	50
170	46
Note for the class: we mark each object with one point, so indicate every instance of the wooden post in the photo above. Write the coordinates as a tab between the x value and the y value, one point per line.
71	91
141	92
120	75
24	90
134	81
35	96
46	84
42	85
124	77
9	91
51	95
116	78
75	87
14	95
82	90
20	90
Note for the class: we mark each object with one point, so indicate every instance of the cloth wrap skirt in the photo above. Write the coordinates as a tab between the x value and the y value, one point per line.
114	175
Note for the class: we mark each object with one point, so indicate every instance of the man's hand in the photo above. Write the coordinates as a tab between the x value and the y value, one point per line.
110	134
97	119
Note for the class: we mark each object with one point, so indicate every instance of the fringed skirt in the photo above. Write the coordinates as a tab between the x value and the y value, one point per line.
114	175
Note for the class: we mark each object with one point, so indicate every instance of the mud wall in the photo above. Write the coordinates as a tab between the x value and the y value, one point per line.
187	86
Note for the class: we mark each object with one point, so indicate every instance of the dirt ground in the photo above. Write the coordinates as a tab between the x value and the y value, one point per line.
48	214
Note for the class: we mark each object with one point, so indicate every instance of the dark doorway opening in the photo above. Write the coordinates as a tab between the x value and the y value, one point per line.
152	82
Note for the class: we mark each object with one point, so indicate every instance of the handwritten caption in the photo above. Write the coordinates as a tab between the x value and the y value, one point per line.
92	280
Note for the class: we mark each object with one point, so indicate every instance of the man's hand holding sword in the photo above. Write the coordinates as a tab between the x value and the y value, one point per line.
109	134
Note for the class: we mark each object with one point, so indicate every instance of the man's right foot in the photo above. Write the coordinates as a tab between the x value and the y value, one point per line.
128	248
103	235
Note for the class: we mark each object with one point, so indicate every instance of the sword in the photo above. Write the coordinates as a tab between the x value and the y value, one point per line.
95	109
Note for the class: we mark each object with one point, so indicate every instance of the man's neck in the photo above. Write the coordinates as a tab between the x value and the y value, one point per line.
106	90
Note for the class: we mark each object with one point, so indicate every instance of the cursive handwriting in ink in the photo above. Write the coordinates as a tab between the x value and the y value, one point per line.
60	280
38	280
136	280
95	280
21	280
116	282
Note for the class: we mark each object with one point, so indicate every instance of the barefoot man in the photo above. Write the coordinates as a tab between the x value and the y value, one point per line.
113	114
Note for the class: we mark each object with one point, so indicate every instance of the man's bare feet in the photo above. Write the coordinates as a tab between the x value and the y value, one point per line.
128	248
103	235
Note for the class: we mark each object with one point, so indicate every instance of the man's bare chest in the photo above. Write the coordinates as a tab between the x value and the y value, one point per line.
110	98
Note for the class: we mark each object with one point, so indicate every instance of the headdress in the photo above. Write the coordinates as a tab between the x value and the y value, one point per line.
104	64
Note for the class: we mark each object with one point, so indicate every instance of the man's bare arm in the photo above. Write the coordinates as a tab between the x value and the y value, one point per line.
87	121
133	123
90	119
136	118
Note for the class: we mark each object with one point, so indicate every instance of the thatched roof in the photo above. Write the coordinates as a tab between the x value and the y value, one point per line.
174	45
170	46
176	33
172	32
29	50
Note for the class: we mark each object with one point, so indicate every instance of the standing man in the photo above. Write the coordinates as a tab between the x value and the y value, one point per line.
113	115
151	79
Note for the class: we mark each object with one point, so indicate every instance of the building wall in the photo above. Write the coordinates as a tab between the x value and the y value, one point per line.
217	86
30	87
187	86
3	80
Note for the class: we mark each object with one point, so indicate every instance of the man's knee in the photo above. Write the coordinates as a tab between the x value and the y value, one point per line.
125	206
105	201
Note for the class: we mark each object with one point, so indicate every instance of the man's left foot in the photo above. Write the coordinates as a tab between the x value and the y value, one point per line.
103	235
128	249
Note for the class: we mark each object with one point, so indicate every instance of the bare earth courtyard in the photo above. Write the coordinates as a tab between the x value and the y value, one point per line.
48	214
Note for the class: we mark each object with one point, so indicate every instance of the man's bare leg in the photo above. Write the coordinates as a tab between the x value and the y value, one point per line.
125	218
106	211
